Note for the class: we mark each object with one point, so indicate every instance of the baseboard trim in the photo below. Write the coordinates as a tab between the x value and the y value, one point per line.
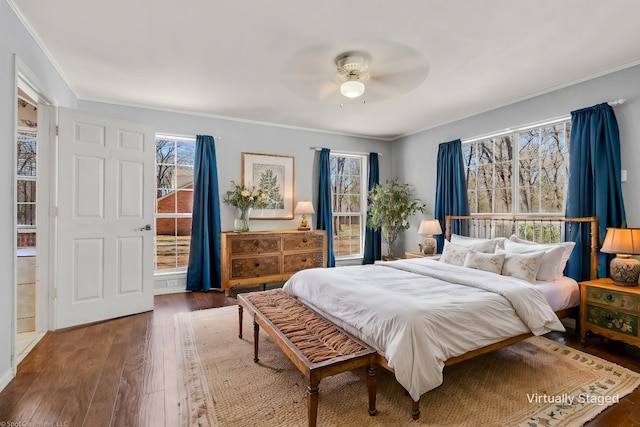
6	378
171	290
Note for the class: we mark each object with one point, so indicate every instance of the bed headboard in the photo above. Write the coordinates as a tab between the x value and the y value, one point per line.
539	229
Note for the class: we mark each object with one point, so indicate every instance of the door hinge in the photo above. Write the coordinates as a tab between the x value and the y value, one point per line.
57	130
54	293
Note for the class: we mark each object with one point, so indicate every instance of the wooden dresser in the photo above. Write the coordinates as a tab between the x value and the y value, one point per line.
610	310
260	257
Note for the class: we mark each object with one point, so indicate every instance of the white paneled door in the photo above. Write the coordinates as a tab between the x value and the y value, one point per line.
105	218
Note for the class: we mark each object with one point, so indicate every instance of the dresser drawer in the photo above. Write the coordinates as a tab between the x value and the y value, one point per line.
616	321
302	261
305	241
255	246
242	268
613	298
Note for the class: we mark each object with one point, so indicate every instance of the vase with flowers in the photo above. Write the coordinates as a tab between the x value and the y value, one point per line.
244	199
390	207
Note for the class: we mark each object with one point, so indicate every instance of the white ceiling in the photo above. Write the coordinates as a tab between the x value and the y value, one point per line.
272	61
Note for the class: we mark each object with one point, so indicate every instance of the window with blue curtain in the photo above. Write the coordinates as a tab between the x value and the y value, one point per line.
451	186
373	238
594	186
325	216
203	272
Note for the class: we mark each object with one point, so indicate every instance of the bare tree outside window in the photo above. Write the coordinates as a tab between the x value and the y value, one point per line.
26	178
174	202
523	172
347	178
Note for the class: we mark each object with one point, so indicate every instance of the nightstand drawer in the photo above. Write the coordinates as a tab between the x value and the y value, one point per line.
616	321
613	298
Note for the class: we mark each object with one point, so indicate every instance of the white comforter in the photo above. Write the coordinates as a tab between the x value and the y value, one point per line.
419	312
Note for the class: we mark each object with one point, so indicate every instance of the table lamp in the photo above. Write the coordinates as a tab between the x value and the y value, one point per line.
304	207
623	242
429	227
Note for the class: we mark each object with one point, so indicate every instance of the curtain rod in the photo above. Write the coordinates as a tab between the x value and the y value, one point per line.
617	102
533	125
190	138
359	153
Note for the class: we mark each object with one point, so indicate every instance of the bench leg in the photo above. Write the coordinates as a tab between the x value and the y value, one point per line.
240	321
256	337
312	403
371	386
415	409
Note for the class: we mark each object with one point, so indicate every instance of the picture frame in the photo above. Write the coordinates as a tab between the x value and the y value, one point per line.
276	174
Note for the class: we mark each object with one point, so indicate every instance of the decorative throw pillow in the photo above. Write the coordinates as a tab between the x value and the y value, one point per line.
523	266
551	267
484	261
567	246
477	244
453	254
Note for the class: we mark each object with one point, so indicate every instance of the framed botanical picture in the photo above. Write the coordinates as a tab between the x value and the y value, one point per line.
275	174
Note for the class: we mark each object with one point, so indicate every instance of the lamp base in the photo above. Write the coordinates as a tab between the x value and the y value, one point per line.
429	245
304	224
625	270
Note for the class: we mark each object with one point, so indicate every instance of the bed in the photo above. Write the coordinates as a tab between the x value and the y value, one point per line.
421	314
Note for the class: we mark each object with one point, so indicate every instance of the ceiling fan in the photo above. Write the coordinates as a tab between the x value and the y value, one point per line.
353	71
384	70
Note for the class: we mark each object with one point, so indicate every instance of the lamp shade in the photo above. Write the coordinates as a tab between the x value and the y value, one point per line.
622	241
352	88
304	207
430	227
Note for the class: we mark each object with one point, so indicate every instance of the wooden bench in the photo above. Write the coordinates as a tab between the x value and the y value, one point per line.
316	346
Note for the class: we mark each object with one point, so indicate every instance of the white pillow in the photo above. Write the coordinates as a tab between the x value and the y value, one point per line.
568	248
525	266
551	267
484	261
477	244
453	254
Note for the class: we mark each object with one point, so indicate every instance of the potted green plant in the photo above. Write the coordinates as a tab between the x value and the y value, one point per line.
390	207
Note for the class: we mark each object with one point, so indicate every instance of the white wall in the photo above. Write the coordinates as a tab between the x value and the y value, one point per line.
16	41
414	157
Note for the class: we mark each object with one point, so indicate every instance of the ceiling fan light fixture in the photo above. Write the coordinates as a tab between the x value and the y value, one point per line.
352	88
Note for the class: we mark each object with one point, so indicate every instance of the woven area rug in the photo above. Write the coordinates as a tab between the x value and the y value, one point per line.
536	382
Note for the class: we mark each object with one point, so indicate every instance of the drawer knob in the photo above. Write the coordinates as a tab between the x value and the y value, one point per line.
304	240
304	259
609	297
256	243
256	263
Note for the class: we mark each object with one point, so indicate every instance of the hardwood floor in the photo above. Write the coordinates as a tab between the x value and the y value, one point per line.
123	372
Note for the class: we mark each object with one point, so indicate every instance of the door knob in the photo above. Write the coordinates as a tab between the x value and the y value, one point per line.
145	228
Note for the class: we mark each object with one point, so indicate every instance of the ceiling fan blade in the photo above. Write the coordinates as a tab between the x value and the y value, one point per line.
402	80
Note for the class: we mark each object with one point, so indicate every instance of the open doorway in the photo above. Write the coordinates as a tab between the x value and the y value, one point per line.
31	284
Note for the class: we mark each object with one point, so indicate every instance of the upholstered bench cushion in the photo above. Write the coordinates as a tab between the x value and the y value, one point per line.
316	338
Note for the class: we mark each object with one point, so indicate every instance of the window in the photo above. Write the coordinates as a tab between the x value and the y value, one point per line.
174	202
26	178
26	166
523	172
348	204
